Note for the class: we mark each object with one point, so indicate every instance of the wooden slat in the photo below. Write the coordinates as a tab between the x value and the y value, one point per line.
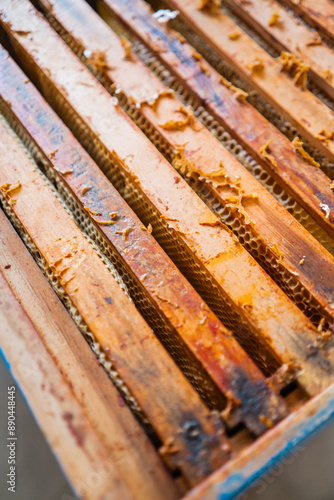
62	420
123	457
304	182
180	305
273	226
269	454
220	265
319	14
174	412
301	108
289	34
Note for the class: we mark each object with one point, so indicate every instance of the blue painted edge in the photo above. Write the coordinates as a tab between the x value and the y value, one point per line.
4	359
235	485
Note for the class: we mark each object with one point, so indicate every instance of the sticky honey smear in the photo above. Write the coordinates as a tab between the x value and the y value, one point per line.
127	47
226	212
181	124
297	145
264	152
209	6
164	331
9	191
256	65
295	67
240	95
97	60
274	19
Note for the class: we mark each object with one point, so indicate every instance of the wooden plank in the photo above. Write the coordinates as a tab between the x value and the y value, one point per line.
304	182
302	109
59	414
122	449
319	14
230	279
271	452
285	32
184	309
175	413
273	226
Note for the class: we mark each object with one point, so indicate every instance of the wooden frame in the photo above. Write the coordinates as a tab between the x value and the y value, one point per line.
285	32
56	369
301	180
113	320
102	126
319	15
163	285
82	28
302	109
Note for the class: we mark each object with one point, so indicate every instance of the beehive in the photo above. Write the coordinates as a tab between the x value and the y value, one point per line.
174	183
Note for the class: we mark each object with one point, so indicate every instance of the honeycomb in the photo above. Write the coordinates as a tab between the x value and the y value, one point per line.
287	281
203	281
166	333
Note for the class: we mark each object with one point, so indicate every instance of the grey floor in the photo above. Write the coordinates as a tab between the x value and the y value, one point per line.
308	476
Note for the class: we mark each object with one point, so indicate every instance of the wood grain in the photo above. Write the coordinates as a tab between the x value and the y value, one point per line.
163	285
272	226
128	454
304	182
226	272
122	333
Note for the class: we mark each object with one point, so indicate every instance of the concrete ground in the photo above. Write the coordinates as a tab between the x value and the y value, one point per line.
309	476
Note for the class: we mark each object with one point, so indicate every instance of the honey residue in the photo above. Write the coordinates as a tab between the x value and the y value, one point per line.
325	136
264	152
218	179
127	47
295	67
8	190
240	95
234	36
154	100
315	40
97	60
275	19
328	75
297	145
256	65
181	124
211	6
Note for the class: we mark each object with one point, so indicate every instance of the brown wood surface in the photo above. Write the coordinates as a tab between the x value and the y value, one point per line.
319	14
304	182
273	225
52	354
176	412
298	106
214	347
259	457
291	35
235	276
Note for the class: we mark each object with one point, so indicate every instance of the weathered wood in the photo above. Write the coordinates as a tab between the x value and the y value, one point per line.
285	32
63	422
304	182
272	227
164	285
56	355
319	14
284	443
300	107
175	413
219	265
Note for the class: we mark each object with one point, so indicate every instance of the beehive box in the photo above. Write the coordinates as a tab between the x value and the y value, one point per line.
167	223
